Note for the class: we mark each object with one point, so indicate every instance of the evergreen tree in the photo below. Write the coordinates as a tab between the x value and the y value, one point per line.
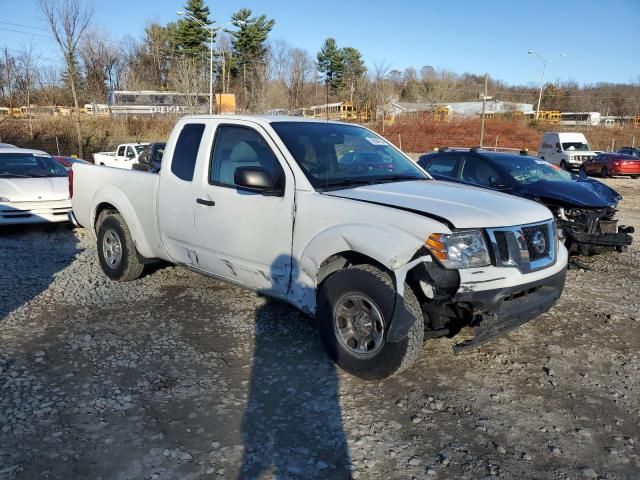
192	39
250	54
249	41
353	68
330	63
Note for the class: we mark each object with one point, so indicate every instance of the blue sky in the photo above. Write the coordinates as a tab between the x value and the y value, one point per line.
600	38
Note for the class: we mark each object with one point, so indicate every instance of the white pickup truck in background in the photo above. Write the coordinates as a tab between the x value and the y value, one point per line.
374	248
123	157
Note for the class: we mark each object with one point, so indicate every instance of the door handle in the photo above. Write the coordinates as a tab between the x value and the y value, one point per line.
204	201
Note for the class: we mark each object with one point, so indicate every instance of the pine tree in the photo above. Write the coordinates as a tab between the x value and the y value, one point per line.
192	38
250	53
330	63
353	65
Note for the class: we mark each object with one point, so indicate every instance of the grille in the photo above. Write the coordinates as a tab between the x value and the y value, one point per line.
503	245
538	242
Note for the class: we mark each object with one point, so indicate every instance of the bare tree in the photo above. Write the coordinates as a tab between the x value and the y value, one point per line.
299	70
187	79
68	20
100	61
27	65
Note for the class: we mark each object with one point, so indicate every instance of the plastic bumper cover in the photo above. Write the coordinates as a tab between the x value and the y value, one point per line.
502	310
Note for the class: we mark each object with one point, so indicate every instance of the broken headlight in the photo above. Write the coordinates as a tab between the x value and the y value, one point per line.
460	249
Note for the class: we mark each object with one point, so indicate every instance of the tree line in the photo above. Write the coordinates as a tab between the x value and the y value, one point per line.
262	72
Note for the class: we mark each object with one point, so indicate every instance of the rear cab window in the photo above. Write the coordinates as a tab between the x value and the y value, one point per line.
185	152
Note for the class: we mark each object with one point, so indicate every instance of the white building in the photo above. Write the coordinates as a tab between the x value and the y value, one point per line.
465	109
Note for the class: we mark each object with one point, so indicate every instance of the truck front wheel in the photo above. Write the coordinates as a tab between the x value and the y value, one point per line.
355	307
118	256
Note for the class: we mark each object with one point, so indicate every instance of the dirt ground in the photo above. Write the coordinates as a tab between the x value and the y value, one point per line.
177	376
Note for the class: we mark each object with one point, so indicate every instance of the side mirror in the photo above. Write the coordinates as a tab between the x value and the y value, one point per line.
558	149
257	179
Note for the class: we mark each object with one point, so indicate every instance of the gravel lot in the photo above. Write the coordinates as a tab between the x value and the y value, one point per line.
180	376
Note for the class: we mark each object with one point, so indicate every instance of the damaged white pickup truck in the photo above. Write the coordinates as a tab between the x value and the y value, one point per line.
333	219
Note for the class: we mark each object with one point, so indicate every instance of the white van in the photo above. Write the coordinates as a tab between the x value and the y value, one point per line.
566	149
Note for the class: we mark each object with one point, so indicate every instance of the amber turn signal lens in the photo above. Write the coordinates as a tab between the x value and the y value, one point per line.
438	249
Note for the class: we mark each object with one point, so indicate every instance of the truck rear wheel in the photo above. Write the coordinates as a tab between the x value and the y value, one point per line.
355	306
117	253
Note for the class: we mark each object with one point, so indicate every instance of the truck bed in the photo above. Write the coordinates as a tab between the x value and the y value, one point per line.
133	193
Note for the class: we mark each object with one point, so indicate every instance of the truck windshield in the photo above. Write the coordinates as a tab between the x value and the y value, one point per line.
579	146
29	165
335	156
527	170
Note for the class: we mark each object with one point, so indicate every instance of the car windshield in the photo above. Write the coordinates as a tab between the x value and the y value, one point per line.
579	146
334	155
139	148
29	165
527	170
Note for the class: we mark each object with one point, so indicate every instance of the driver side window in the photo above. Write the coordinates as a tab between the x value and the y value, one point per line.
478	172
241	147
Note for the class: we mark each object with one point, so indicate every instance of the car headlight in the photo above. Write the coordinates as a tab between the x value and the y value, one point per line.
4	199
460	249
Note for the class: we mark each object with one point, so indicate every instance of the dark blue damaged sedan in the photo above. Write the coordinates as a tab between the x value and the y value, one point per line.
584	208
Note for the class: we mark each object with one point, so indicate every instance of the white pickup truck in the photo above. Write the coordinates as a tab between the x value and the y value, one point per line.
123	157
374	248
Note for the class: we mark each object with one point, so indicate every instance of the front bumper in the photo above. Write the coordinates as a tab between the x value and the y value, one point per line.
18	213
501	310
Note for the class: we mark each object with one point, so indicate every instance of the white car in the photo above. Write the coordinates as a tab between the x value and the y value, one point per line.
34	188
335	220
125	156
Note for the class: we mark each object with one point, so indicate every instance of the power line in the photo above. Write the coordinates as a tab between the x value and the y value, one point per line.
25	33
24	26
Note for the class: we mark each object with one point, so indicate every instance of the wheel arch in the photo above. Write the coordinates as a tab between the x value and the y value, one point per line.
112	198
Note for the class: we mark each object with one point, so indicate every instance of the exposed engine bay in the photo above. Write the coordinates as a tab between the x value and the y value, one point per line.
592	230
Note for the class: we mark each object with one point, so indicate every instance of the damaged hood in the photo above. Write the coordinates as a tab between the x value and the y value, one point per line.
34	189
460	205
583	193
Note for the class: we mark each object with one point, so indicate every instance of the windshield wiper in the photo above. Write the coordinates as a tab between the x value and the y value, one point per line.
345	182
396	178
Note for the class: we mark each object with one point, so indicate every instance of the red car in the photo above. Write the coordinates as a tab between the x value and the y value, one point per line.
610	164
67	162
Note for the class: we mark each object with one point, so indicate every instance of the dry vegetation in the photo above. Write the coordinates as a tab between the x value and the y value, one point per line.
424	133
414	134
102	133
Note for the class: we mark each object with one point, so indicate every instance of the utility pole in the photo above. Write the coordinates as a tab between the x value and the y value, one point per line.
484	106
545	62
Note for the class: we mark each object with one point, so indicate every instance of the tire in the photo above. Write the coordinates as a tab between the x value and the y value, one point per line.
367	284
563	165
635	177
117	253
604	173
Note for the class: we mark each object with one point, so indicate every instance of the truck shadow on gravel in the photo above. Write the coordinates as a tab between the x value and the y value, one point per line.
30	257
292	426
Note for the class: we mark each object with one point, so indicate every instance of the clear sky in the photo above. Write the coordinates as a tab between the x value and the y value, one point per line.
600	38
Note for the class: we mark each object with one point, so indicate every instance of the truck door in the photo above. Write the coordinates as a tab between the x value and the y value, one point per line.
176	196
244	235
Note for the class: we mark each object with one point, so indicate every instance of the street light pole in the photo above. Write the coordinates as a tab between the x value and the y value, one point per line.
212	33
545	62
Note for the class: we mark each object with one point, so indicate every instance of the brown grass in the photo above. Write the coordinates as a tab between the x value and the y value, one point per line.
424	133
101	133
